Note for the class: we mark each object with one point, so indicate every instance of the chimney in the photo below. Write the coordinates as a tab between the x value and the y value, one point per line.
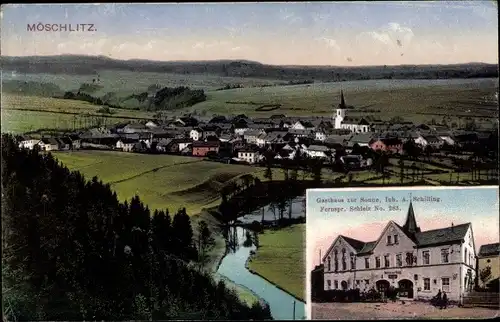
452	227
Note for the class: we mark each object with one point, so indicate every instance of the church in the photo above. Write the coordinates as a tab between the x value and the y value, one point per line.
418	263
343	121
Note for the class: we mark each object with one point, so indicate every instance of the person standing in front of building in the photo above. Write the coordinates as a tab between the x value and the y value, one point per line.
444	302
438	298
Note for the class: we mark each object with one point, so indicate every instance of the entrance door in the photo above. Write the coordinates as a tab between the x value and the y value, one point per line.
406	288
382	286
344	285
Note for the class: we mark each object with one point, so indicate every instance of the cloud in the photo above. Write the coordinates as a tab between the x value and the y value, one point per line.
289	16
390	34
205	45
332	43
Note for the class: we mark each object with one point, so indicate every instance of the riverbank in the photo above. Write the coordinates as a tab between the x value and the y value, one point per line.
217	254
283	248
268	280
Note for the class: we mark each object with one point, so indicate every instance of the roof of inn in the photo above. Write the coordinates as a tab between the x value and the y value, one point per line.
435	237
489	250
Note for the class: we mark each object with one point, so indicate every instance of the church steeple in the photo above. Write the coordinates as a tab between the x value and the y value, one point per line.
411	223
342	100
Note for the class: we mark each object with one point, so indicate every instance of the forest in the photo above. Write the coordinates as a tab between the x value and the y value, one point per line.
72	251
89	65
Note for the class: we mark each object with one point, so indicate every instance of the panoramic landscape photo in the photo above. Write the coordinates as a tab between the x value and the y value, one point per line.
146	141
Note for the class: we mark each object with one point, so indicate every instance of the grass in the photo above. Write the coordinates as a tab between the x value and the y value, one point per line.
407	98
161	181
280	258
125	83
29	113
415	100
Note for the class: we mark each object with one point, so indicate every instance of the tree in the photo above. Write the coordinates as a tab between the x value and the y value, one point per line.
182	236
205	240
268	174
317	166
485	275
93	256
401	164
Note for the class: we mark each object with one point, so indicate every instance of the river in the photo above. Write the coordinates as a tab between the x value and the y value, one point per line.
233	267
297	210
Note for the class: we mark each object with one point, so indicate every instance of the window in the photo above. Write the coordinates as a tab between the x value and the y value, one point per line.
409	259
389	240
353	261
396	239
399	260
336	261
367	282
445	255
336	283
426	257
445	284
377	262
329	284
367	262
344	263
488	261
466	258
427	284
329	264
357	282
386	261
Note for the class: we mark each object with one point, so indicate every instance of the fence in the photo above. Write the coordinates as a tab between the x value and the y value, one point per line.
488	299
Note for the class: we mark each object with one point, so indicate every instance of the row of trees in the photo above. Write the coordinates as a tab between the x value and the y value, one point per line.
72	251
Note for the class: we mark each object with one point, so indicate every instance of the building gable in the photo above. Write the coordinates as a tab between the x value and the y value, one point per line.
404	243
339	243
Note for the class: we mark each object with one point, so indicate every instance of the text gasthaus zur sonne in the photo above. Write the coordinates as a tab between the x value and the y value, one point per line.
368	203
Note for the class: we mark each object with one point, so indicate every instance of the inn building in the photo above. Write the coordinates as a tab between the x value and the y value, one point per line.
418	263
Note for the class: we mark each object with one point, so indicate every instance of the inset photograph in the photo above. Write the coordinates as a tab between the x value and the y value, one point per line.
392	253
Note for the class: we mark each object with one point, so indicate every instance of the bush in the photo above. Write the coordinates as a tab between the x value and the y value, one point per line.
342	295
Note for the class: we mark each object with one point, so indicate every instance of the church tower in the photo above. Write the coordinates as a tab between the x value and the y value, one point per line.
340	111
411	223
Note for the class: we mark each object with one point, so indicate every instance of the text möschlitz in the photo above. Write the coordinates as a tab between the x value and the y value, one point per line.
59	27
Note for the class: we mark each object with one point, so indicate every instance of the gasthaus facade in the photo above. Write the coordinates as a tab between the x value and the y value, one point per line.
418	263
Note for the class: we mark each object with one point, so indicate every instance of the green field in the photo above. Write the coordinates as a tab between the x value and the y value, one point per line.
161	181
29	113
281	258
407	98
125	83
415	100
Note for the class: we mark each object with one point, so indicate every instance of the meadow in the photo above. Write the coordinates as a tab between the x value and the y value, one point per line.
161	181
280	258
416	100
29	113
125	83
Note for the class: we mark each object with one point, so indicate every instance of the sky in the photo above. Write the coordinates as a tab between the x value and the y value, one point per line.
319	33
478	206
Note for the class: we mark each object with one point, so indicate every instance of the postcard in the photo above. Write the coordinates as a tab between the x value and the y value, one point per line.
398	253
156	157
